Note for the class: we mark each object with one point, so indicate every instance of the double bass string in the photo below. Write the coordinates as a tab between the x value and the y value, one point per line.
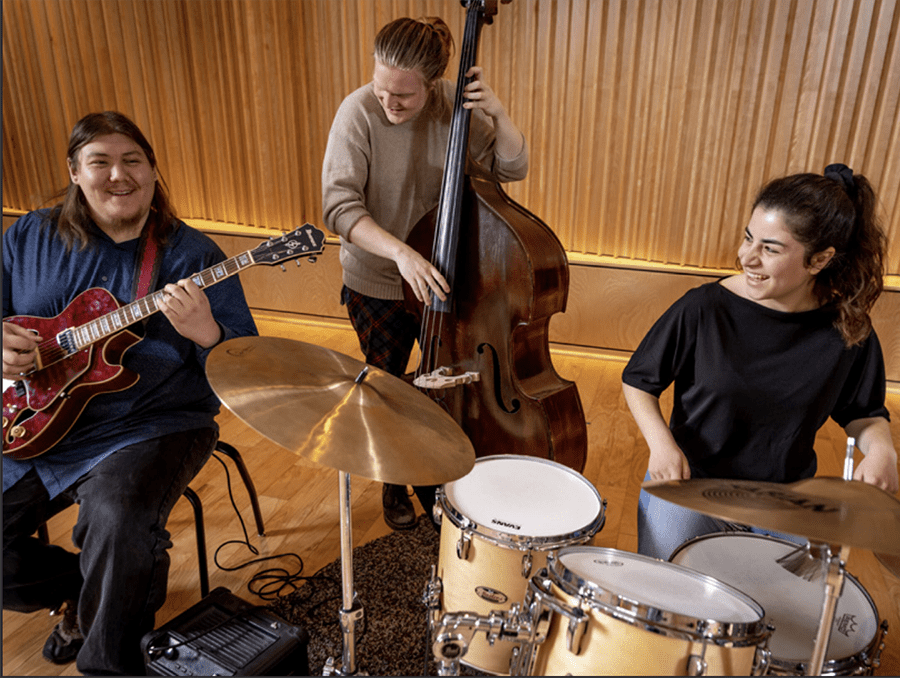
447	230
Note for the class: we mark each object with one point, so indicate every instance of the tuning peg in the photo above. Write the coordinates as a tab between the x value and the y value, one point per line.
311	260
282	267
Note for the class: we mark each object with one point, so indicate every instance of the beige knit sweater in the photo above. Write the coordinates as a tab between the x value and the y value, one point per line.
393	173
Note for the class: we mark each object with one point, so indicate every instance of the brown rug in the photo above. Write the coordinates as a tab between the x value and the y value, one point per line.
389	577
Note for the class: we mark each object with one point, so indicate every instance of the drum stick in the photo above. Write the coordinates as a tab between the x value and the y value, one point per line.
848	460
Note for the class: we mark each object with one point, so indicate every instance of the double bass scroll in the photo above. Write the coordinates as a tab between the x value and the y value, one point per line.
485	351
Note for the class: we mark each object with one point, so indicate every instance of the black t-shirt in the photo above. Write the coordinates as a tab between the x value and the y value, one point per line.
753	385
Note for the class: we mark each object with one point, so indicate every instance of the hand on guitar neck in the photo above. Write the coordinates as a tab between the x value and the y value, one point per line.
187	308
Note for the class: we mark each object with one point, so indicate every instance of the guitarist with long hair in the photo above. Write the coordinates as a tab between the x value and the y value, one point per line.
126	456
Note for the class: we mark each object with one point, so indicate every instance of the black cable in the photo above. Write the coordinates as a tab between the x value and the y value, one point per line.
269	584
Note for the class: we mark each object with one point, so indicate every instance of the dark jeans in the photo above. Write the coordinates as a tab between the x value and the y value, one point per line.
387	333
119	577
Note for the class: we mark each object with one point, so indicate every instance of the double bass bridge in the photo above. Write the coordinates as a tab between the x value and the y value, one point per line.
442	378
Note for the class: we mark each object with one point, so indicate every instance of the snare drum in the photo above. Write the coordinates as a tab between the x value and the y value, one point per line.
748	562
498	524
601	611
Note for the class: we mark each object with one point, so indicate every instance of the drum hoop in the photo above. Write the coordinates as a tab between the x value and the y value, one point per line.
839	666
835	666
658	620
524	542
731	533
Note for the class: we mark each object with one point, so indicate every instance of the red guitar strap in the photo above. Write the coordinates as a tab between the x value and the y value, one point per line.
149	256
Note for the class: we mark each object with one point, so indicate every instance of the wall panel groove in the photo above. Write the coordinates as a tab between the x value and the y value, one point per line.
651	123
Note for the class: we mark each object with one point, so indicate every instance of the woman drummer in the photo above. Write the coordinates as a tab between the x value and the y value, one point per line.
761	359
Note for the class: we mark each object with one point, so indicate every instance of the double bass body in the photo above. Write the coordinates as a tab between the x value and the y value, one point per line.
511	275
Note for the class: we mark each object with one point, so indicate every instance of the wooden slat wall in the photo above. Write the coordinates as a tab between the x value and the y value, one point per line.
650	122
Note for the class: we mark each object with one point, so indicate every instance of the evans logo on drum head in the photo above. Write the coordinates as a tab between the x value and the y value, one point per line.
490	595
611	563
503	523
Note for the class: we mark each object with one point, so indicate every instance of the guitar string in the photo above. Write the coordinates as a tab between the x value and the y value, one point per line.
50	351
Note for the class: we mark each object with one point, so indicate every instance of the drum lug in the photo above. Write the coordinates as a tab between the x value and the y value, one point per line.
575	632
763	657
879	643
462	546
697	665
538	592
541	604
761	661
433	590
527	562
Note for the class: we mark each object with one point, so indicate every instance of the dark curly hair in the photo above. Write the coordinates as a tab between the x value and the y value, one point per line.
836	209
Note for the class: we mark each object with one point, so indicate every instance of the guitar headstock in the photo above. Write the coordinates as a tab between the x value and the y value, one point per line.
304	241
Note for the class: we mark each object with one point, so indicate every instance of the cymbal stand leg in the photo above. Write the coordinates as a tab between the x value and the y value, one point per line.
352	611
834	583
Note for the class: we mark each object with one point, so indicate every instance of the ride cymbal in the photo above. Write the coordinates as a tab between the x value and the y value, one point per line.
823	509
339	412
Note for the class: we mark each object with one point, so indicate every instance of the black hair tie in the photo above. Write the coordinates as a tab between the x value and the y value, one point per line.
844	176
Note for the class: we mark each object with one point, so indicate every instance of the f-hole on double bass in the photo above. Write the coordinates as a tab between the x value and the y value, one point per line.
485	353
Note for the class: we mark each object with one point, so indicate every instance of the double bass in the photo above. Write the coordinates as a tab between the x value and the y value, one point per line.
484	352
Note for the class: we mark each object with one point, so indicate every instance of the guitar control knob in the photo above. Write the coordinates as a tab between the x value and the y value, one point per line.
17	431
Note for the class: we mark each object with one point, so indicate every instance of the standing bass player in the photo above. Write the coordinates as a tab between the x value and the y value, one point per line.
382	173
130	454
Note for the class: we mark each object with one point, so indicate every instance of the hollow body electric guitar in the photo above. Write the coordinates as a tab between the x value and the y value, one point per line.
81	352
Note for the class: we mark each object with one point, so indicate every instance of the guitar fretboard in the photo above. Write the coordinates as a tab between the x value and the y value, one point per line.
112	322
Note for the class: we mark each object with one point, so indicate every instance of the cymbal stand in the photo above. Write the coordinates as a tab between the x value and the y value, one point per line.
352	611
834	583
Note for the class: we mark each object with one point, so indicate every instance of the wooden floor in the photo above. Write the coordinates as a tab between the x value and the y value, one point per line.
299	503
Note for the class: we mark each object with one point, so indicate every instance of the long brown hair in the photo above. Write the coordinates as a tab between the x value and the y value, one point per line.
836	209
72	216
423	46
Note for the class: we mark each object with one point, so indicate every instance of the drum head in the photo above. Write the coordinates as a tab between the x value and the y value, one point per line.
522	495
793	605
655	584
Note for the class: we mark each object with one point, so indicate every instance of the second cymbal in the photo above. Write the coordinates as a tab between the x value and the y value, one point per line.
339	412
822	509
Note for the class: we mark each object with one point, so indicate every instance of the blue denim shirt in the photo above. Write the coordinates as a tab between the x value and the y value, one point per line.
41	277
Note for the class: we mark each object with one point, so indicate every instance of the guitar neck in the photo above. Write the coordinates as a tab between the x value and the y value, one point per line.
82	336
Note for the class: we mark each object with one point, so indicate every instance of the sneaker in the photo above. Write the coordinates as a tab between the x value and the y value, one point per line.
63	644
399	513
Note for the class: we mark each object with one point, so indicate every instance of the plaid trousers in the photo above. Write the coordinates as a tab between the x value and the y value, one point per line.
386	330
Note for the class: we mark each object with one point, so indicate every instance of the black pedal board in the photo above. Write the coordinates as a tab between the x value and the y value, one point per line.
223	635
